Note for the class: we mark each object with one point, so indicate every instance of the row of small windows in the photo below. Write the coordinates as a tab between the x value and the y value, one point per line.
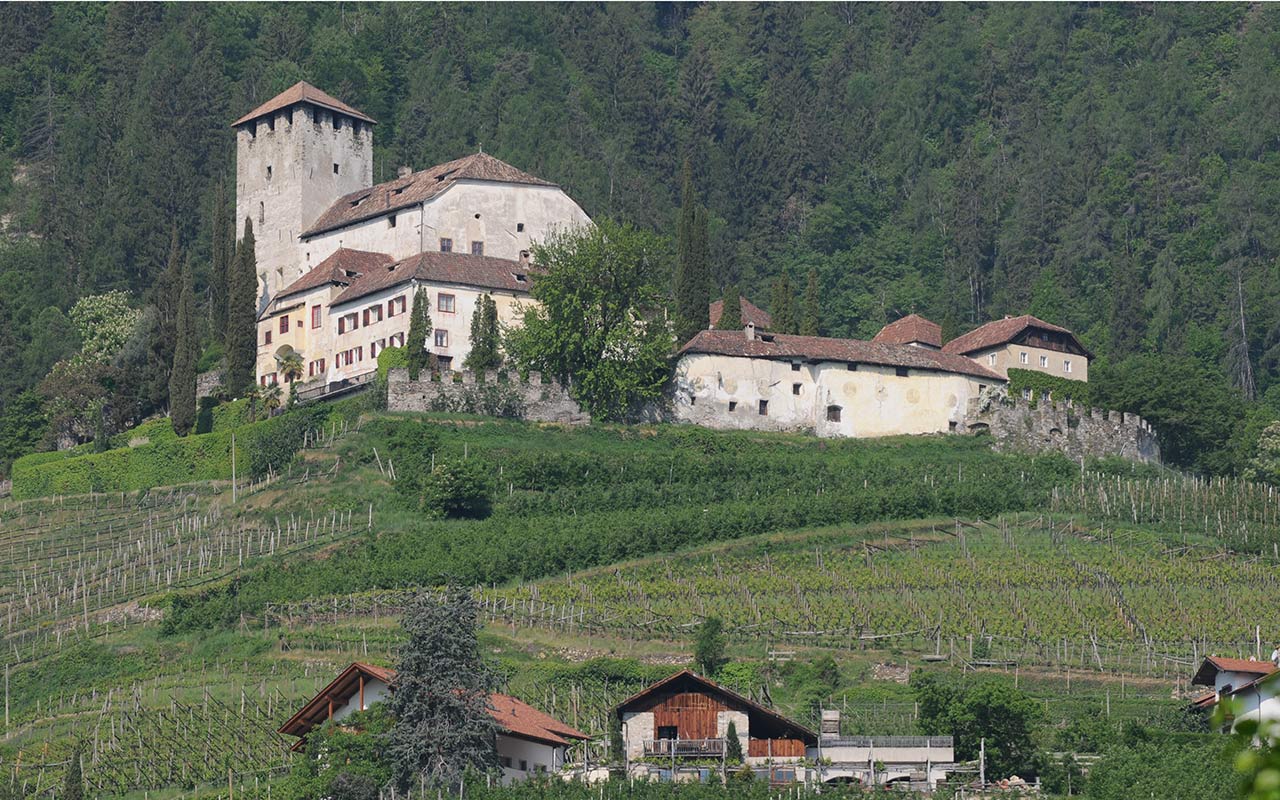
1025	358
762	406
317	120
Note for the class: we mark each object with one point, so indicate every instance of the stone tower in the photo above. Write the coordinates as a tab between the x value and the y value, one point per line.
295	155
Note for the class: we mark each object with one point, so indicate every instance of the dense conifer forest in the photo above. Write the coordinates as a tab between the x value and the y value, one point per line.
1111	168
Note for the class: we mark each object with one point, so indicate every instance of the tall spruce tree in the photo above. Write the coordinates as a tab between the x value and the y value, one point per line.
222	248
783	305
182	377
242	329
440	702
692	279
419	327
484	336
811	310
731	313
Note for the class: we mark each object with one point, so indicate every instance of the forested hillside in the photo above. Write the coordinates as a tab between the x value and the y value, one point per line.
1110	167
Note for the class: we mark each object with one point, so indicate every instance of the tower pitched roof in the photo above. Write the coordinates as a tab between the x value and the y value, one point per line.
750	313
417	187
303	92
911	328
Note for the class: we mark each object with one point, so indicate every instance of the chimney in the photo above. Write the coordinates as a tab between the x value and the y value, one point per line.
750	330
404	172
830	724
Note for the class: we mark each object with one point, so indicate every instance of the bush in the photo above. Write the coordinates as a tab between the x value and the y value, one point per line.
1042	385
458	489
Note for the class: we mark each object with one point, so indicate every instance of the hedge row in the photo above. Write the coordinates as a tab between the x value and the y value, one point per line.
260	448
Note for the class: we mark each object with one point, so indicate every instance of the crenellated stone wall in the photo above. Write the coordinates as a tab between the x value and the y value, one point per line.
532	398
1019	425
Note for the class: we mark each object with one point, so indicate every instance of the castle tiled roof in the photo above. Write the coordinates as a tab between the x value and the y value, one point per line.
911	328
416	188
751	313
818	348
1003	331
343	267
303	92
485	272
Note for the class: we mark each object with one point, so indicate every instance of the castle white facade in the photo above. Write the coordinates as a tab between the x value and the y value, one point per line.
339	259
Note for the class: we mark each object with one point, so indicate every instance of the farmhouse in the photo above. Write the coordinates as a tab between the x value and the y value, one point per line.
1252	687
674	728
339	258
529	742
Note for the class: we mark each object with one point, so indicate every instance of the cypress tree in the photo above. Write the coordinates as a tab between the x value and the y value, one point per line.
731	314
484	336
692	283
73	785
811	314
222	249
182	378
242	328
783	305
419	325
733	747
441	693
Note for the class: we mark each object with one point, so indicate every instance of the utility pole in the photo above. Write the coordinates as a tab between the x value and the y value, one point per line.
982	763
233	468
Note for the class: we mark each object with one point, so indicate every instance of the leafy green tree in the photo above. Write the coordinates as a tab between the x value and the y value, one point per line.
23	423
242	328
182	377
599	324
456	489
782	305
253	395
972	711
73	783
419	328
733	747
105	323
708	650
485	353
441	695
811	314
731	313
1265	465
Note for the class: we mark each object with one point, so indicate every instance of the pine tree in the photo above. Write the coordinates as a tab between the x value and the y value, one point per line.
783	305
692	284
222	249
733	747
441	695
182	377
484	336
73	786
811	313
731	313
419	326
242	329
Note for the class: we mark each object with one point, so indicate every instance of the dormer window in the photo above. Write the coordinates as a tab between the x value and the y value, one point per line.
520	278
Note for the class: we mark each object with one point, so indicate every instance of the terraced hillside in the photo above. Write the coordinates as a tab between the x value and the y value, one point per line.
185	616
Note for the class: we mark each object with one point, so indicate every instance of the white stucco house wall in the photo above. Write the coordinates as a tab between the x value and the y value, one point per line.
1251	687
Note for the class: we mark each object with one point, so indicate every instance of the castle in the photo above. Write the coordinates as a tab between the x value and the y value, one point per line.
340	261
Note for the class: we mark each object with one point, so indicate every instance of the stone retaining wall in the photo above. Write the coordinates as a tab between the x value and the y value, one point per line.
532	398
1017	425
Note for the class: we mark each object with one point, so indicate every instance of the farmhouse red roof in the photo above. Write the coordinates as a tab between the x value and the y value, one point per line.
818	348
303	92
485	272
1212	665
751	313
416	188
1002	331
513	716
911	328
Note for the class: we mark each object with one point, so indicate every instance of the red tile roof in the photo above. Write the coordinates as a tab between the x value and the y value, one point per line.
303	92
1212	665
485	272
343	267
751	313
513	716
1002	331
818	348
709	686
911	328
416	188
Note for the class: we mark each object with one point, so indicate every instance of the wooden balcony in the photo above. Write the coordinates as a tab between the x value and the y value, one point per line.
684	748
